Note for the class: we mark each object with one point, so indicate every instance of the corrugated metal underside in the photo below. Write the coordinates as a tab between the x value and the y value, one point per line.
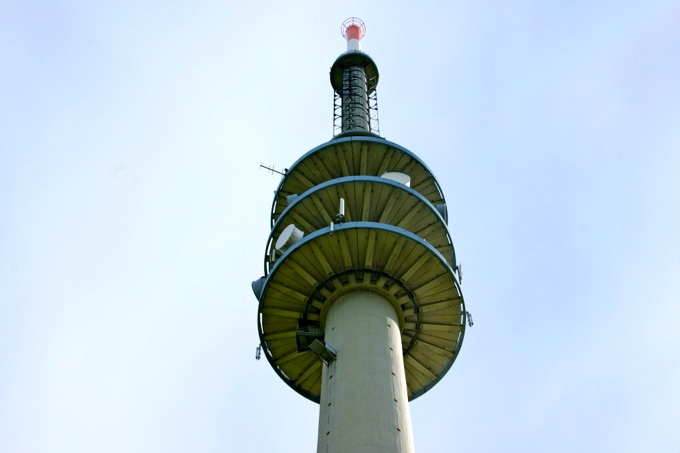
389	260
355	156
368	199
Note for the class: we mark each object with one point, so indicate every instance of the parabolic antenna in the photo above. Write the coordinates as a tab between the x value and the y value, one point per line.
401	178
289	236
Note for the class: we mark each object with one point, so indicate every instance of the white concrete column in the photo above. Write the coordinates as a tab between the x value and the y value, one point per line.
364	402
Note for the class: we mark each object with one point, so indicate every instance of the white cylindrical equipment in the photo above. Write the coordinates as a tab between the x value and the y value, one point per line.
364	400
289	236
401	178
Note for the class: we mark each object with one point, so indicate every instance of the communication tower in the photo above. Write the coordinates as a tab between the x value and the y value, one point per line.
360	307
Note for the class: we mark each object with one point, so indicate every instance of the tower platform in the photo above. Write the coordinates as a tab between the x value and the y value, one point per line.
394	241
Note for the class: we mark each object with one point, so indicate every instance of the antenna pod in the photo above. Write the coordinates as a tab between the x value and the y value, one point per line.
353	29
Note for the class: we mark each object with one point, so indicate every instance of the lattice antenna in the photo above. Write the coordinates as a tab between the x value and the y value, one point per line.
273	170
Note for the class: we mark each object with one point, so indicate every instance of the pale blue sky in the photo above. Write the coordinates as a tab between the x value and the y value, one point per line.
133	216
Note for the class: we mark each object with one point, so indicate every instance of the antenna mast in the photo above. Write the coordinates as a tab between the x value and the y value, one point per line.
354	77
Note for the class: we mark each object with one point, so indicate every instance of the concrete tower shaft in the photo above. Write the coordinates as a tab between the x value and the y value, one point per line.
368	379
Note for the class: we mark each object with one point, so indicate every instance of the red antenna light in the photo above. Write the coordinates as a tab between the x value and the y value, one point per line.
353	29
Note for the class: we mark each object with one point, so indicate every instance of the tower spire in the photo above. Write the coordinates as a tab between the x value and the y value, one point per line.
354	77
353	29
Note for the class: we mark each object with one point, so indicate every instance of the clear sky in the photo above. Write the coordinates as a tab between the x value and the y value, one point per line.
133	216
